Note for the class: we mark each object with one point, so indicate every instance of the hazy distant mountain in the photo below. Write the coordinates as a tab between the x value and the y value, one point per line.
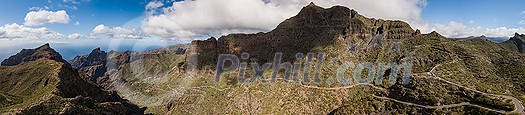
493	39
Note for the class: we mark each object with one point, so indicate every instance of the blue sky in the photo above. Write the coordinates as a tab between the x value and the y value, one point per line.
151	24
484	13
88	13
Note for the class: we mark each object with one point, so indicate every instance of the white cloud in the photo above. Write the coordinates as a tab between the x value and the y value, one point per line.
15	31
522	21
116	32
75	36
186	19
3	33
73	7
153	5
39	8
471	21
211	17
42	17
72	1
77	23
458	30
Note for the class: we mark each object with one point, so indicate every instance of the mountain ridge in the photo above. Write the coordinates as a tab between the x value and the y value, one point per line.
443	71
44	83
518	40
311	28
44	51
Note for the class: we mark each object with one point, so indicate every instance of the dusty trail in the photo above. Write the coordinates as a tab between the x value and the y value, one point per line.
518	107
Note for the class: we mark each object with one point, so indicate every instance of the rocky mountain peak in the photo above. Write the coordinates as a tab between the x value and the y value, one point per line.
44	51
314	27
97	50
434	33
97	54
93	64
314	15
518	41
518	36
45	47
312	4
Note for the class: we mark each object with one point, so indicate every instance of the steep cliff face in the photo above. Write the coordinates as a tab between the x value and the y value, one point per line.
92	65
206	51
309	31
516	43
141	77
43	83
95	65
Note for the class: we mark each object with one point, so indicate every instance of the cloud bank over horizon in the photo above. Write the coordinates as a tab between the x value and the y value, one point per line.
16	31
211	17
116	32
200	19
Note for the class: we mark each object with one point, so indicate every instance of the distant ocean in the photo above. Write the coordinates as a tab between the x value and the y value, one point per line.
70	48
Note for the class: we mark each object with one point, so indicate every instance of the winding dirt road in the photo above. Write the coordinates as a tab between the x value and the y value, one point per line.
518	106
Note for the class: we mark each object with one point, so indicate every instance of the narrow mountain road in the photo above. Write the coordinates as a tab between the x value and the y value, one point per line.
404	102
342	87
518	106
441	106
